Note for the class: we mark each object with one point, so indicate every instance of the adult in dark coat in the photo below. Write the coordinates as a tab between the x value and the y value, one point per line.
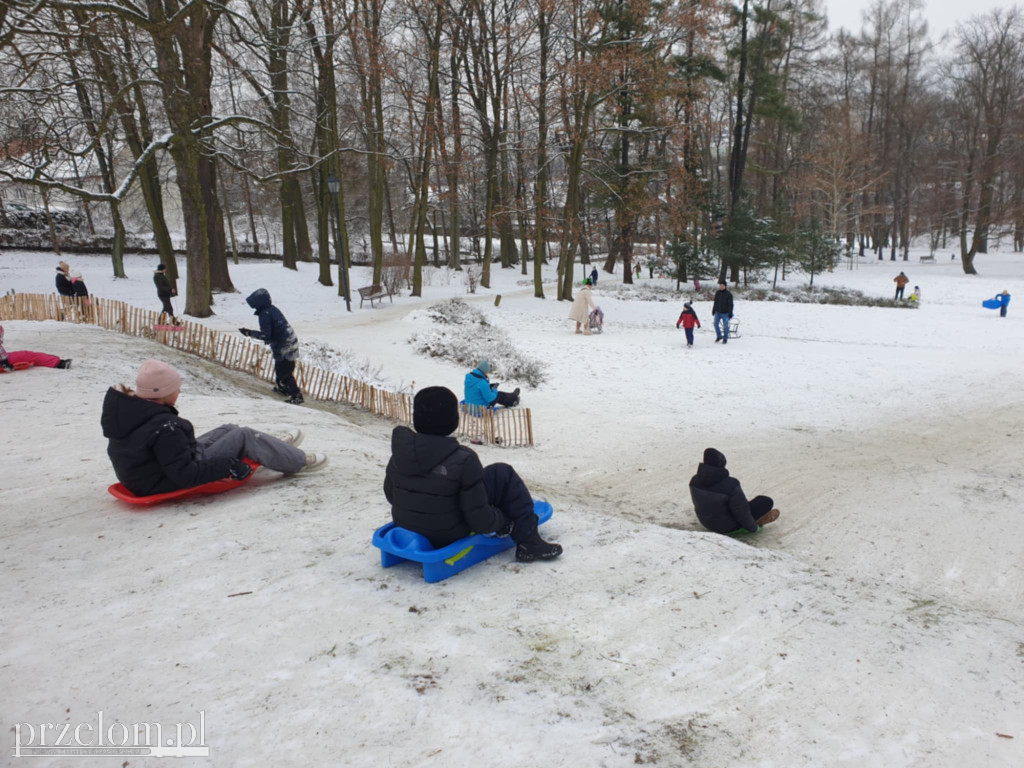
720	503
439	489
63	282
276	331
722	311
164	290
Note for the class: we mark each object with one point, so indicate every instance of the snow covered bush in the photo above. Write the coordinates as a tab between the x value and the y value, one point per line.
462	334
344	362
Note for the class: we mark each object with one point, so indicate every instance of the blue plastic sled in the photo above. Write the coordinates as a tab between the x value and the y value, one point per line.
398	545
991	303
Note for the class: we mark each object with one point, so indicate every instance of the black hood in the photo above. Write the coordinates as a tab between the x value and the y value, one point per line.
416	454
123	414
708	476
259	299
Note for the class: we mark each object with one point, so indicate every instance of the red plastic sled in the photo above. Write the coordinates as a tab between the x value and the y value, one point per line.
18	366
118	491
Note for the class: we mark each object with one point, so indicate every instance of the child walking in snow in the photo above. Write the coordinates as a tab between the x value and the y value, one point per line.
689	319
278	333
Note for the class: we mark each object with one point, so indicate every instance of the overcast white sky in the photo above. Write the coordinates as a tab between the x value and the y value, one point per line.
942	15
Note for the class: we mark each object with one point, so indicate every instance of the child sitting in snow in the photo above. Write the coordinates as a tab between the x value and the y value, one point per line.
439	489
916	295
10	359
720	503
154	450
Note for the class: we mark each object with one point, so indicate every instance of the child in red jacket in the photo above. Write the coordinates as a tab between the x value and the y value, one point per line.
689	319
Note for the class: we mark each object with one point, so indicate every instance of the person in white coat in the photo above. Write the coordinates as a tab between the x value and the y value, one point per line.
582	306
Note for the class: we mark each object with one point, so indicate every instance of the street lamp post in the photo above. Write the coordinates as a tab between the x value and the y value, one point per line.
334	185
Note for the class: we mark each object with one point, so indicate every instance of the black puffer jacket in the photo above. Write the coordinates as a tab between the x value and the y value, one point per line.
153	450
719	501
64	286
436	488
723	303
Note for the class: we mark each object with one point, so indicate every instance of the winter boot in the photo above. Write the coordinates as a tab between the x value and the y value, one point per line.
768	517
528	552
64	364
295	399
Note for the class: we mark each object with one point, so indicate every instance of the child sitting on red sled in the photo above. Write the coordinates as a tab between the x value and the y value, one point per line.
154	450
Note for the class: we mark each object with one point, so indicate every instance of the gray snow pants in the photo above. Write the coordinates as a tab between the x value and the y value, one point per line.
233	441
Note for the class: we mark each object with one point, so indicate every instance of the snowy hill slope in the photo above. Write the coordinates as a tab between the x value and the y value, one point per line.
642	644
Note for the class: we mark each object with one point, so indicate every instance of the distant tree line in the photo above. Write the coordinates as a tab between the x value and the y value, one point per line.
729	139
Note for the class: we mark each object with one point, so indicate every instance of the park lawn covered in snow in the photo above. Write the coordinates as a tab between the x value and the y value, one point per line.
877	623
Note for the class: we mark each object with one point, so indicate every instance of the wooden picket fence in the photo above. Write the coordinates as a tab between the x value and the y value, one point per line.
507	427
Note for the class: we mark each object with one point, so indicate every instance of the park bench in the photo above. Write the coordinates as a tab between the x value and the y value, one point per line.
373	293
928	258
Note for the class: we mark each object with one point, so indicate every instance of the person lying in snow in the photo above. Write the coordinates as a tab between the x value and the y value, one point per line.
9	359
720	503
439	489
154	450
478	390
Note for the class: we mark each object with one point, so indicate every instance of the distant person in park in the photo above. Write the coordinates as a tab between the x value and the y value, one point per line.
8	360
63	282
278	333
689	319
637	271
915	297
480	391
901	281
164	291
722	310
78	285
1004	302
439	489
696	284
581	308
593	276
720	503
154	450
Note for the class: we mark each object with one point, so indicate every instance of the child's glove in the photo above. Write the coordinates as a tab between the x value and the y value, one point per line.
245	332
494	385
505	530
6	365
239	469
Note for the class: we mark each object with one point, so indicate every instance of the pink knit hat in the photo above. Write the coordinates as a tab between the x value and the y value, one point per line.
156	380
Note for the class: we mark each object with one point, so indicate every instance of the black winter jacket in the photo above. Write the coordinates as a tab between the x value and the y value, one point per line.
274	329
719	501
153	450
723	303
63	283
163	286
436	488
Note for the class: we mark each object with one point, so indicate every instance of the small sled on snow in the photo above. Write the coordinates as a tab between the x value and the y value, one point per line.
118	491
19	366
992	304
398	545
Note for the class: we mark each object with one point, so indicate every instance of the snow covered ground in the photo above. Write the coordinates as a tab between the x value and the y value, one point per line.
880	622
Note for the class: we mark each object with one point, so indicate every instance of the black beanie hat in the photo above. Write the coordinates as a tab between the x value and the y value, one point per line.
160	267
435	411
714	458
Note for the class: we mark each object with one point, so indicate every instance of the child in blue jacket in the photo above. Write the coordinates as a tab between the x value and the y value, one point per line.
480	391
278	333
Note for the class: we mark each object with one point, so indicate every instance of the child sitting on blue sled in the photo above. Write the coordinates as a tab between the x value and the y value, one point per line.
439	489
